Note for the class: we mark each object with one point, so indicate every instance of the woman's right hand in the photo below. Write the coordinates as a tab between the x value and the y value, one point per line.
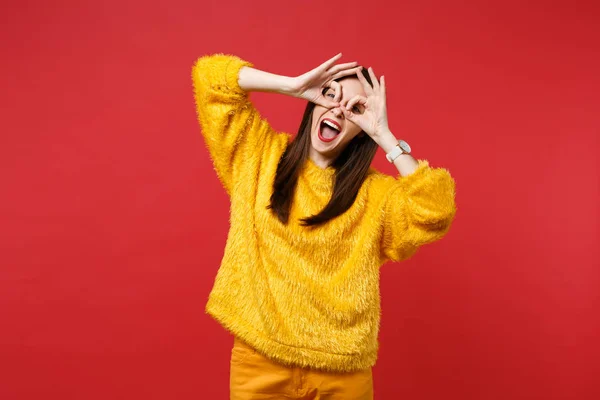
310	86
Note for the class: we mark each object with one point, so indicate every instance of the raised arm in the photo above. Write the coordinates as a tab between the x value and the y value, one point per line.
233	129
418	205
252	79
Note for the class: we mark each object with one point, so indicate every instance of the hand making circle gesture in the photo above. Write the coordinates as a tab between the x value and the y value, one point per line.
373	120
310	85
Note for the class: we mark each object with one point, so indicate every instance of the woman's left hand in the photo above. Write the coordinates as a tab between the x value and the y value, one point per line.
373	120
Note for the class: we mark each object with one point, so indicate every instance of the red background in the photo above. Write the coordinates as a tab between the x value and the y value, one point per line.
114	223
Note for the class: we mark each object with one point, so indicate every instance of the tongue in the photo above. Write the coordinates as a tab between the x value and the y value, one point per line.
328	133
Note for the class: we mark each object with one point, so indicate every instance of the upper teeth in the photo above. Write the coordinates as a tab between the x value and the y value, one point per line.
331	124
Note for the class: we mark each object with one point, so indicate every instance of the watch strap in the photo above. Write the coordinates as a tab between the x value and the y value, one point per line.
394	153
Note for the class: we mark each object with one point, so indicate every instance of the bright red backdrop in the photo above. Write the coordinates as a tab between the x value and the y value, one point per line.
114	222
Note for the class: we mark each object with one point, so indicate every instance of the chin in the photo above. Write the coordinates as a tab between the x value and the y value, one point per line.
321	147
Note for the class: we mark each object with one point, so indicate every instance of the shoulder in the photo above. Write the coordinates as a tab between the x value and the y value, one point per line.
278	142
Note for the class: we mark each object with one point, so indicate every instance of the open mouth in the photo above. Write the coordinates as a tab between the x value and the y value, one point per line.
329	130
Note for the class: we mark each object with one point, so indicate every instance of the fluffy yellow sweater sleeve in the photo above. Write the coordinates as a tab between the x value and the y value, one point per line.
419	209
234	132
302	296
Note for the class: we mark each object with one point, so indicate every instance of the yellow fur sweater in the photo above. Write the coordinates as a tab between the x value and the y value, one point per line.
305	297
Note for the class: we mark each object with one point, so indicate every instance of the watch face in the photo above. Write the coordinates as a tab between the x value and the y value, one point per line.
404	146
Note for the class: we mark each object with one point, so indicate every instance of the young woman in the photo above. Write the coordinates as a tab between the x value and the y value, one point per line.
311	224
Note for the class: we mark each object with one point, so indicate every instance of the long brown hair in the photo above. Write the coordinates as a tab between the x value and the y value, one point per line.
351	168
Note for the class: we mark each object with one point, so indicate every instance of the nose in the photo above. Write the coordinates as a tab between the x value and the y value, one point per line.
337	112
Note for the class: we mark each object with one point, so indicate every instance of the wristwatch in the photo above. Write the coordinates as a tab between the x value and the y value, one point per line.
401	148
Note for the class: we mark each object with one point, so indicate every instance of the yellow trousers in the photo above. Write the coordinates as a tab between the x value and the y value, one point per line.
254	376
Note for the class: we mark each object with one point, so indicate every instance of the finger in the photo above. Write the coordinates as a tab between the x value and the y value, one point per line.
327	64
325	102
366	85
382	86
358	99
350	116
340	67
338	90
353	71
373	79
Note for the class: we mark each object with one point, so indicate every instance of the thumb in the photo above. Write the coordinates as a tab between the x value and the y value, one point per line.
327	103
358	119
350	115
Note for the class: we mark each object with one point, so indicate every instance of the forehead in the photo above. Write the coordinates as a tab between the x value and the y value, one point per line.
351	87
